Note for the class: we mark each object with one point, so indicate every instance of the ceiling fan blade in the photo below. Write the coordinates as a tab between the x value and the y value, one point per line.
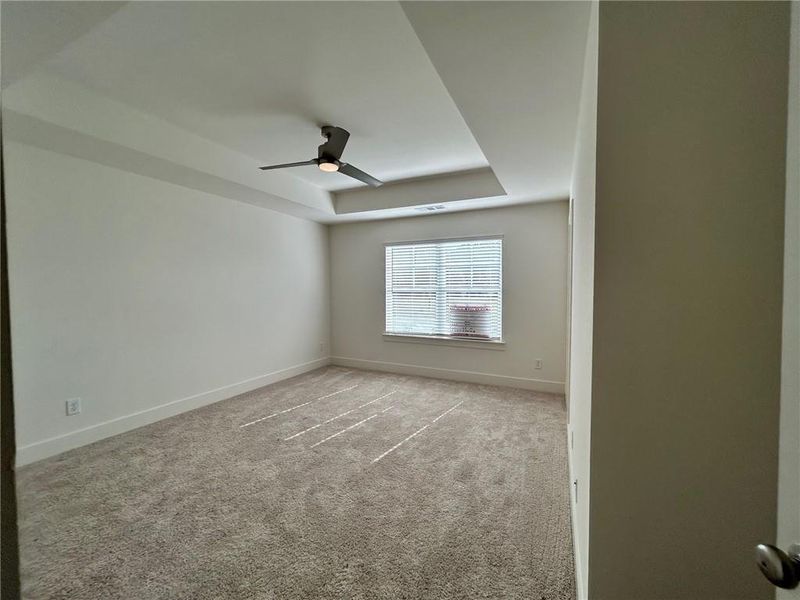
351	171
337	140
313	161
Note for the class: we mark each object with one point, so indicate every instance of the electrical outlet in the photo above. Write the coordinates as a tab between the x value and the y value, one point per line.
538	363
73	407
322	347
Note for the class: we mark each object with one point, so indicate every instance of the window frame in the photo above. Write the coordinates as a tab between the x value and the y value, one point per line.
450	340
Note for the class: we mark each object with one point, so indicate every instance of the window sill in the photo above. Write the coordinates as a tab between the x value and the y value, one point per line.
455	342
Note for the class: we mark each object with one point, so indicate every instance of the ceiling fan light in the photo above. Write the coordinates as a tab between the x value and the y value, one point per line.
329	167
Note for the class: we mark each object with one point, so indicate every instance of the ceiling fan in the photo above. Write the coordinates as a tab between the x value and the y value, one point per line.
328	155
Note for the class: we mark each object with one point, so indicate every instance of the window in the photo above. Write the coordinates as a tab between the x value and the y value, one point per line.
450	288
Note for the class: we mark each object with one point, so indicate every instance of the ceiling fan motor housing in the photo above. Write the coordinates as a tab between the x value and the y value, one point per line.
335	141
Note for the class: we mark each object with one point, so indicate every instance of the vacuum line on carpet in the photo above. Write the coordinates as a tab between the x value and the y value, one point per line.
417	432
353	426
291	437
298	406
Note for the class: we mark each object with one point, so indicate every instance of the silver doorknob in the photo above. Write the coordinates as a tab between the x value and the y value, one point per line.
782	569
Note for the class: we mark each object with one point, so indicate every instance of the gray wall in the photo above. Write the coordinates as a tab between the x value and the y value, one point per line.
534	297
146	299
687	316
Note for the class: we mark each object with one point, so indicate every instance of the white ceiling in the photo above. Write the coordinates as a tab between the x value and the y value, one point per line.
514	70
261	77
426	88
33	31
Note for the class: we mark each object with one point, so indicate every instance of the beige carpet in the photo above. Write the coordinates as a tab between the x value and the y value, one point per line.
475	505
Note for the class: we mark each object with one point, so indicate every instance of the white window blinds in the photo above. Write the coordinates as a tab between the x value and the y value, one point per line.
449	288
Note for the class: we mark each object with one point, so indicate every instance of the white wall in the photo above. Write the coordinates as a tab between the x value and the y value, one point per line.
582	287
534	312
132	293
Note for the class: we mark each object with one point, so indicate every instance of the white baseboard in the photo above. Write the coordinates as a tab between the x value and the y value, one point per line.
539	385
75	439
576	551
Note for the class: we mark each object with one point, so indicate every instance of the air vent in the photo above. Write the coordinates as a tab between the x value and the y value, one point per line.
430	208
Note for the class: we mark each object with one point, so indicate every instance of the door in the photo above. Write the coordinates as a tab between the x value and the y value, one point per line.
789	469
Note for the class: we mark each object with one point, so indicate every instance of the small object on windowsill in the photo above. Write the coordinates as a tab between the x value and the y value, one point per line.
470	320
469	335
